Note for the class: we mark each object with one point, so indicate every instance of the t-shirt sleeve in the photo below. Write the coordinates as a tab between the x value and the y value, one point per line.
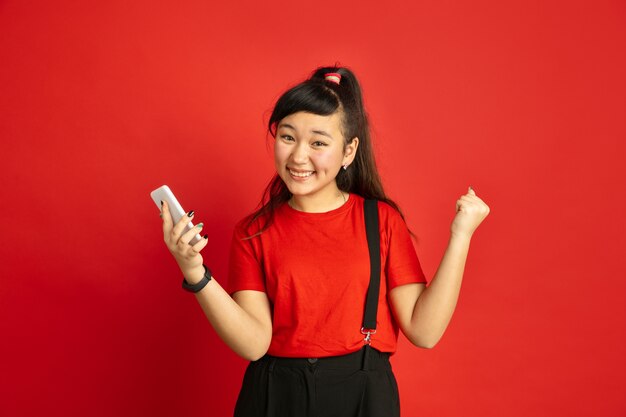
245	271
402	265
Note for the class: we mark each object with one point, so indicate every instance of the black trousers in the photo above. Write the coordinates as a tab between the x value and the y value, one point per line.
360	384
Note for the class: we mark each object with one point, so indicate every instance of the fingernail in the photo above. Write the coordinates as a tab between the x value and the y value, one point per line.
190	214
200	225
205	236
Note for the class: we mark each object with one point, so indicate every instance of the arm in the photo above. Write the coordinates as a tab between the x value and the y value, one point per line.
243	322
423	314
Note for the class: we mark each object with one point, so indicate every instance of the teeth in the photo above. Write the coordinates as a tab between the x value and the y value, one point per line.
301	174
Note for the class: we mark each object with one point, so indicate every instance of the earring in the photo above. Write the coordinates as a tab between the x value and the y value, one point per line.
345	166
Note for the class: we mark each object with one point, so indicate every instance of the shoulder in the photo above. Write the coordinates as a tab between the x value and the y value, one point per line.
386	212
257	222
389	214
387	209
249	226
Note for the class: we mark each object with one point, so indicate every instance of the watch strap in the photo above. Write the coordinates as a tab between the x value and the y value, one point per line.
201	284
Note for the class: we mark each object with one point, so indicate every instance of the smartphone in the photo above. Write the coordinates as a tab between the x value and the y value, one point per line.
164	193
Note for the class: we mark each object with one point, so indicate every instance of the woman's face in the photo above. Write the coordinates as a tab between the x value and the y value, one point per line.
309	152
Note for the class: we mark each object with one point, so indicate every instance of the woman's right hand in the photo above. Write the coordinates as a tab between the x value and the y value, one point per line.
187	256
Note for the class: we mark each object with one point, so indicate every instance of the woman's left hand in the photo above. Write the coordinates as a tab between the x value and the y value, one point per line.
470	212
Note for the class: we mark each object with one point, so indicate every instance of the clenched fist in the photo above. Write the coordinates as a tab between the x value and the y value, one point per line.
470	212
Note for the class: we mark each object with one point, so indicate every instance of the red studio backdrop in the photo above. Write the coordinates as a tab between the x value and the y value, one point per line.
101	102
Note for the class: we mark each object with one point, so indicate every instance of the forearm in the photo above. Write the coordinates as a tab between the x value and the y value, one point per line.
434	307
238	329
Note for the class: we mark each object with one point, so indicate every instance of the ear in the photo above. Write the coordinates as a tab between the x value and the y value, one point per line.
350	151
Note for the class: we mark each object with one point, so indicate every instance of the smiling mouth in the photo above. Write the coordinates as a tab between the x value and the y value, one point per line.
304	174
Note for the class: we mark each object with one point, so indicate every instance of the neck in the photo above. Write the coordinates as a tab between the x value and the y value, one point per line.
316	204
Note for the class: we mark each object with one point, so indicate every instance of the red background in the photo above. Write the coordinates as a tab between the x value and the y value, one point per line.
101	102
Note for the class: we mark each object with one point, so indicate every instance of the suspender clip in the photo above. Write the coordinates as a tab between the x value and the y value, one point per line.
368	333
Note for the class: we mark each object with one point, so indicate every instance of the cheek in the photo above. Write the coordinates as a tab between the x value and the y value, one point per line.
280	153
328	159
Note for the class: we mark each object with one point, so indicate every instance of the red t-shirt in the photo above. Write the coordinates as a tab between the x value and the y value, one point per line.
315	270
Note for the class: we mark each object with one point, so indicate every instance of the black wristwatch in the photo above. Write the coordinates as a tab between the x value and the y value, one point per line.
200	285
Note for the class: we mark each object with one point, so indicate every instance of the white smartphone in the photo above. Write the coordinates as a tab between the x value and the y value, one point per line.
164	193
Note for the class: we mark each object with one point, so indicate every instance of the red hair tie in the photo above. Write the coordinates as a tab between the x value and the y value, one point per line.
333	77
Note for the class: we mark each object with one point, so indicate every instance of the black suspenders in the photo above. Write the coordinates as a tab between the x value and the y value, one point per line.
373	242
370	208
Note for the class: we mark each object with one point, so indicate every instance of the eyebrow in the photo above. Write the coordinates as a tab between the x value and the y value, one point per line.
319	132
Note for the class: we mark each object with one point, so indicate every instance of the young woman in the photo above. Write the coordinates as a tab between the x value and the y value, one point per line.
299	268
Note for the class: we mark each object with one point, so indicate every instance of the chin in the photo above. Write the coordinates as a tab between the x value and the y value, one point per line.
299	192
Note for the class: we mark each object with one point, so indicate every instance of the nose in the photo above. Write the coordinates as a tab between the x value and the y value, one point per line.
300	153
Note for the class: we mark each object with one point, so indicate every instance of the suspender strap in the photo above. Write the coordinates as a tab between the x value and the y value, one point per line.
373	243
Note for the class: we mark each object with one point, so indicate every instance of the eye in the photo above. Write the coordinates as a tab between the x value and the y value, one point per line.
319	143
287	138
